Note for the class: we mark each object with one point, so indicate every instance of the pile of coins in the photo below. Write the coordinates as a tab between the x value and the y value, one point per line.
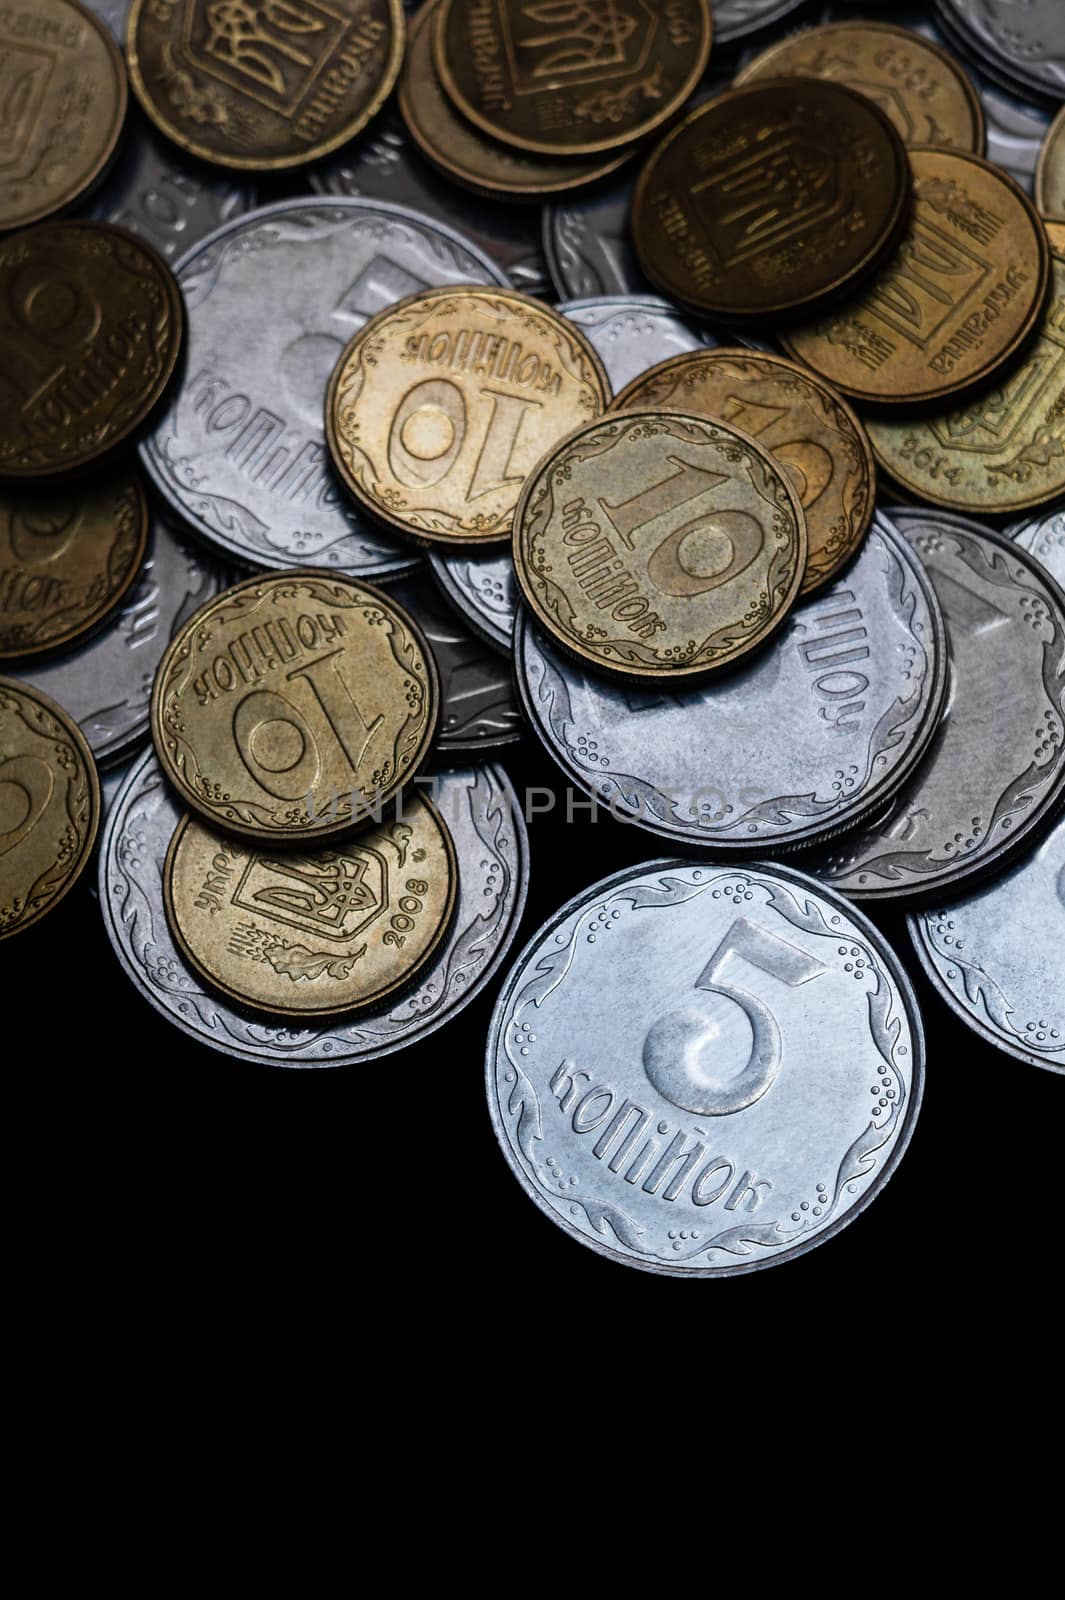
695	389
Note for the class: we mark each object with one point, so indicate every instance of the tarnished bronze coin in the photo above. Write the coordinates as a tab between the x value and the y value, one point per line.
918	85
262	85
771	199
571	78
49	805
807	429
660	545
301	934
293	706
959	297
1050	173
1003	451
91	322
466	154
66	559
441	406
63	96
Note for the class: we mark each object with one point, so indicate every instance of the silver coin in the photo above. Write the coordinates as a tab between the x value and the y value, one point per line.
1044	538
106	683
702	1071
114	12
385	165
272	298
478	710
484	589
996	956
1024	39
1015	132
816	733
996	767
491	846
587	245
735	19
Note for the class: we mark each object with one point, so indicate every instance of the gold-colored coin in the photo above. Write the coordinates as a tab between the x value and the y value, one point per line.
1050	173
660	545
959	297
807	429
63	93
262	85
294	705
66	560
461	150
572	78
91	323
49	805
305	934
1002	452
1056	235
919	86
441	406
771	199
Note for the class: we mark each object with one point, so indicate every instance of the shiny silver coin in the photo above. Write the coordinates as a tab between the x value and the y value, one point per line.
106	683
735	19
1020	40
1015	131
996	956
1044	538
484	589
384	165
815	734
491	847
272	298
996	767
587	245
702	1071
478	711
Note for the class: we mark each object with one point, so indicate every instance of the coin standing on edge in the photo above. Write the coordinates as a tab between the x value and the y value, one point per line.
1050	173
66	560
699	1070
293	706
771	199
441	406
263	93
659	545
310	934
49	805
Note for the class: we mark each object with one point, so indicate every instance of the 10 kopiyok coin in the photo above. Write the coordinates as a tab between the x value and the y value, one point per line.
660	545
293	706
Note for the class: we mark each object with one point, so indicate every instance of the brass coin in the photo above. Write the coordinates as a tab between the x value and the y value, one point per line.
1050	173
294	705
962	292
66	560
91	323
920	87
262	85
807	429
660	545
461	150
441	406
771	199
1001	452
49	805
304	934
63	94
1056	234
572	78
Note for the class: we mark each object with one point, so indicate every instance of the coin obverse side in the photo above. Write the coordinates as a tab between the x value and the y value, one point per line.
339	929
771	199
1000	452
91	322
959	297
66	560
1045	540
996	767
660	545
268	87
49	805
64	103
920	87
1050	173
701	1071
441	406
484	818
807	429
571	80
292	706
995	957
